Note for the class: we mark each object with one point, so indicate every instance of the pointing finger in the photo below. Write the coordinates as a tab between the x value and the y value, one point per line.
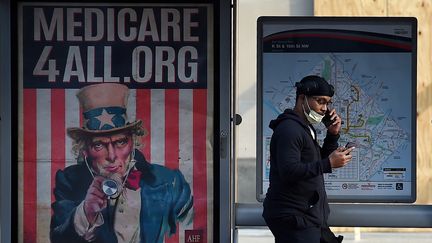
340	149
349	150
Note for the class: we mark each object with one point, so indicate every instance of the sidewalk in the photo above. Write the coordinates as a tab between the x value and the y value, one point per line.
265	236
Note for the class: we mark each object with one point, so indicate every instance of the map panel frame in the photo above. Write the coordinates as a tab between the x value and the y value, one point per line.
372	62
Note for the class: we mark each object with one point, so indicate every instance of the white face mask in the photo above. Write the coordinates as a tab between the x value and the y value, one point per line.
313	117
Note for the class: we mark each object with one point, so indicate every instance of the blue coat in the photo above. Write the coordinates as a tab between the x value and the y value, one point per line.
165	200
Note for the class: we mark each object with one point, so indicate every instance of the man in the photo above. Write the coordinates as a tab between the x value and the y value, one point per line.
296	207
113	194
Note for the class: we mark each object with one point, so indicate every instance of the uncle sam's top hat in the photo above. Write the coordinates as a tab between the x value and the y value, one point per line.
104	111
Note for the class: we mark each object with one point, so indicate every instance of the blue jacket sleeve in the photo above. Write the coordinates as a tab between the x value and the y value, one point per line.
182	200
166	200
62	228
70	190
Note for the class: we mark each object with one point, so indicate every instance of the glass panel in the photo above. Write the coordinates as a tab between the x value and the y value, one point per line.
247	13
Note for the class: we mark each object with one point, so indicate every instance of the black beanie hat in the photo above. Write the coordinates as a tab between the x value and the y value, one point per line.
314	85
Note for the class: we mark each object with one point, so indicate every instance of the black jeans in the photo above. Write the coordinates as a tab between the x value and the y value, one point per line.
288	230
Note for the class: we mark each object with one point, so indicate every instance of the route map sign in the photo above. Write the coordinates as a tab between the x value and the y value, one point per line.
371	62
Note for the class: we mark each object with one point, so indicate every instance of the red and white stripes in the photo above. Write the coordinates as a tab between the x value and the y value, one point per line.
179	126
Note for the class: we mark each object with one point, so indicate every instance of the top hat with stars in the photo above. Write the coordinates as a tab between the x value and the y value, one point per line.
104	111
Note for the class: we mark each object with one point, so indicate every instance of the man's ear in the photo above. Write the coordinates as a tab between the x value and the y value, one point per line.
84	152
300	98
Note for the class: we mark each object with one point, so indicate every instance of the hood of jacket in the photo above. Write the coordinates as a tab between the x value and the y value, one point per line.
287	114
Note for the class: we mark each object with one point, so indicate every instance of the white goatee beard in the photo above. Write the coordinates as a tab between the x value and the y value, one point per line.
116	176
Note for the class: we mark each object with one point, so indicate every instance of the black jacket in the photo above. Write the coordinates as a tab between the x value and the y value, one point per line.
297	164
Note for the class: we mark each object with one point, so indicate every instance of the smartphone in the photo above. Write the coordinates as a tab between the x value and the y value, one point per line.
349	145
327	121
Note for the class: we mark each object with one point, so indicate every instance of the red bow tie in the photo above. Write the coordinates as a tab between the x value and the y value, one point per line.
133	180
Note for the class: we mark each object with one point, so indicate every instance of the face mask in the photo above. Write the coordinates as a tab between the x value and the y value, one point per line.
313	117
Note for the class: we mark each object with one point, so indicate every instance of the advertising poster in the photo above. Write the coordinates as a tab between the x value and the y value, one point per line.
115	120
371	62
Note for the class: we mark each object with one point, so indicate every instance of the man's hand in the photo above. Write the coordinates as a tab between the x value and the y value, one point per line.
335	127
340	157
95	199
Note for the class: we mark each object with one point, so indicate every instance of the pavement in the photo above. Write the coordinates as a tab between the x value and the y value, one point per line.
265	236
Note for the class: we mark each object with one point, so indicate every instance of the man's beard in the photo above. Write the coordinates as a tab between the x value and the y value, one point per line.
116	176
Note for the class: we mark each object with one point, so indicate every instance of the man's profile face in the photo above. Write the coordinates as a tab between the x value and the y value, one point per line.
110	154
319	103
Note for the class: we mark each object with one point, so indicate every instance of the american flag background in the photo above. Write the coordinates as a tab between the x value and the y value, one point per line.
179	122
